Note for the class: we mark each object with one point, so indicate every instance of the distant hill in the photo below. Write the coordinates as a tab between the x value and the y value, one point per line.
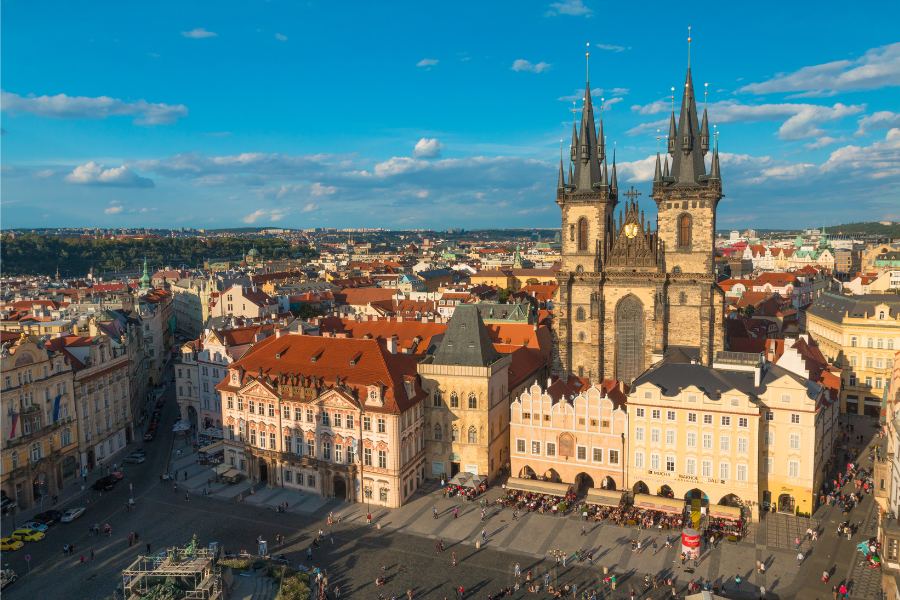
886	229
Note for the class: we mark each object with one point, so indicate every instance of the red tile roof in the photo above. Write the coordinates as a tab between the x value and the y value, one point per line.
363	296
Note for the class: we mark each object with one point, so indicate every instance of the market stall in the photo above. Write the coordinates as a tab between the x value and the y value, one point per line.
727	521
538	496
466	485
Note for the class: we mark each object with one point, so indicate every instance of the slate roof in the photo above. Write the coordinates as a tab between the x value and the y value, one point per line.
833	306
467	341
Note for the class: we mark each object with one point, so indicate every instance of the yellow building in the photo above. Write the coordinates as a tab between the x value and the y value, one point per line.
40	441
859	334
499	278
709	435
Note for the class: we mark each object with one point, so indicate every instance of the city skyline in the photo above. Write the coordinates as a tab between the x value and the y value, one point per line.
267	117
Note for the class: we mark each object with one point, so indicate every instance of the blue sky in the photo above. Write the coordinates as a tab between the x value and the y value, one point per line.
222	114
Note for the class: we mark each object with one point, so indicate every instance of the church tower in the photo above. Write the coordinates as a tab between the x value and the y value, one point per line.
586	199
686	198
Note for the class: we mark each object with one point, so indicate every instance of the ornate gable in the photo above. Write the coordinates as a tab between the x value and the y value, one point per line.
258	389
633	244
337	399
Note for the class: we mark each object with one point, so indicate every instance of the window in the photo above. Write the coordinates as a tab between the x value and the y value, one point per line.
707	419
742	445
286	412
724	443
795	441
454	400
869	343
349	421
691	439
770	438
338	453
795	418
639	460
367	457
670	463
724	471
684	231
551	449
438	432
309	415
707	441
311	480
472	435
326	419
535	447
310	447
639	412
878	383
639	434
654	462
582	234
692	417
670	415
770	416
579	313
454	434
351	453
288	475
520	446
655	413
690	466
868	382
252	406
272	444
581	453
436	398
770	465
287	444
726	421
367	423
742	422
613	457
670	437
381	425
793	469
598	455
853	342
36	452
654	435
338	420
252	437
473	400
382	459
868	362
741	473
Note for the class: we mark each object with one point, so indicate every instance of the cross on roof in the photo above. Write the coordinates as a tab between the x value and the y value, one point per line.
632	193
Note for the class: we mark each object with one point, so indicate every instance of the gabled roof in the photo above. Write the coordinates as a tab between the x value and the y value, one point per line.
467	341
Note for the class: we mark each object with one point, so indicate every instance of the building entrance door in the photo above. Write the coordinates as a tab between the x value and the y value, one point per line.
454	469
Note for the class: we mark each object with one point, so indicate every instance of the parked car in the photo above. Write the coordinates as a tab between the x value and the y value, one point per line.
7	577
104	484
27	535
8	544
48	517
37	526
134	459
71	514
139	452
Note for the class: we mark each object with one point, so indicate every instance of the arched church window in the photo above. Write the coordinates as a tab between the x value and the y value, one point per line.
582	234
454	400
473	400
629	339
438	432
473	435
579	313
684	231
455	434
571	233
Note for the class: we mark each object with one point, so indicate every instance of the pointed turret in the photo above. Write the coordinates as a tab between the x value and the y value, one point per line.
571	176
574	148
614	180
657	174
601	140
561	181
673	134
604	175
145	277
688	167
714	165
666	168
587	162
704	133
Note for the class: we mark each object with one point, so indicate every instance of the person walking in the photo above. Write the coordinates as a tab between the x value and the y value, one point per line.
434	514
453	558
799	557
583	530
148	547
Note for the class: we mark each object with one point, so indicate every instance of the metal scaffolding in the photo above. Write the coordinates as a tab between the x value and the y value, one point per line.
180	572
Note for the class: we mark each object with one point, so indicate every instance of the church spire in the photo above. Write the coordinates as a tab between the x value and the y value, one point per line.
688	167
673	134
561	182
666	168
704	133
657	174
587	161
714	164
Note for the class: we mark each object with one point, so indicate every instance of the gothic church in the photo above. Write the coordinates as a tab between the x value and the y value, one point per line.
628	295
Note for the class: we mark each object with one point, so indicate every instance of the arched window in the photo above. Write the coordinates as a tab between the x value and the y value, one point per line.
684	231
682	298
473	435
579	314
582	234
455	434
454	400
473	400
438	401
629	339
438	432
571	233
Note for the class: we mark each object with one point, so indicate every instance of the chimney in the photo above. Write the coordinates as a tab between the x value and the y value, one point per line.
278	333
391	343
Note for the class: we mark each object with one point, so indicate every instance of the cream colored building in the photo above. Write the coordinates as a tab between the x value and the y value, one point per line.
578	440
337	417
859	334
739	433
40	437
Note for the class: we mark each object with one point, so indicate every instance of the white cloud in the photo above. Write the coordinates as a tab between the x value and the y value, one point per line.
113	209
800	120
610	47
427	148
521	65
422	194
782	172
199	33
660	125
93	173
318	190
883	119
62	106
427	63
608	104
272	215
877	161
310	207
595	93
877	68
825	140
281	37
572	8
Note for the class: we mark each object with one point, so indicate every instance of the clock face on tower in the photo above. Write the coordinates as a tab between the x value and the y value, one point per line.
631	230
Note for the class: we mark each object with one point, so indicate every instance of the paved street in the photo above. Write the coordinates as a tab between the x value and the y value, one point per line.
405	542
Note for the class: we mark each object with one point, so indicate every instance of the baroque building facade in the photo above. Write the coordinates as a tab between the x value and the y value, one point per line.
628	294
